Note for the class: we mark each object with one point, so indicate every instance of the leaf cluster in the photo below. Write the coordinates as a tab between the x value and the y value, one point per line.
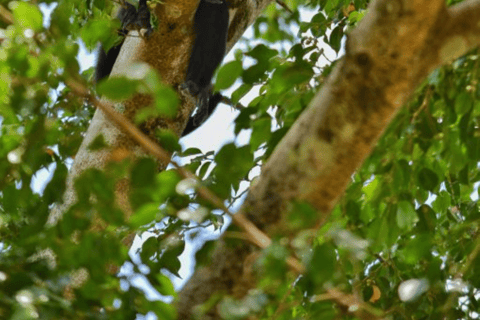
411	211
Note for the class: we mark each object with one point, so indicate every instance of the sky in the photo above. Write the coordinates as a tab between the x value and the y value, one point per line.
217	131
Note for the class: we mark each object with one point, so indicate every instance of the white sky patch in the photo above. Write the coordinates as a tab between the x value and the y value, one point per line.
47	10
41	178
410	290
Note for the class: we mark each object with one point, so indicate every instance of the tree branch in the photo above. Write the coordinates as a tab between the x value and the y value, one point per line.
167	51
392	50
252	233
462	30
5	15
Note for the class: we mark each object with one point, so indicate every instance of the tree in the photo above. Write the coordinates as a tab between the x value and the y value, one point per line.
319	236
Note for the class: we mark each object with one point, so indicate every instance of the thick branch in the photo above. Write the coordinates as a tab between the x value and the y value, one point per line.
382	66
167	51
393	49
462	31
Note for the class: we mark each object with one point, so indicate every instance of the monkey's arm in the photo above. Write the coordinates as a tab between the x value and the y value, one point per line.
202	114
105	61
210	27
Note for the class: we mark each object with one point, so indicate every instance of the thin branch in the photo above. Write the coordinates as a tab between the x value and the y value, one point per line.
5	15
229	102
349	301
466	266
471	257
424	104
284	5
255	235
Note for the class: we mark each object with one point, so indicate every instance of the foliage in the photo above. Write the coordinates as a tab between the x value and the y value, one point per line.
410	213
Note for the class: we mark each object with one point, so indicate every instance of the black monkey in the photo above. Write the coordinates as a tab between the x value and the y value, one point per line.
210	27
131	19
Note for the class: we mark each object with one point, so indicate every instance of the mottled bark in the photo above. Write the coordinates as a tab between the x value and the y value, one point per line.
167	50
396	45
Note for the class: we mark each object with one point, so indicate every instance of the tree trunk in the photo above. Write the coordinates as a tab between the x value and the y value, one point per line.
396	45
167	51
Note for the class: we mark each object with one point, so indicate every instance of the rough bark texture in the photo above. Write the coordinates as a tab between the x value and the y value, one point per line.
396	45
167	51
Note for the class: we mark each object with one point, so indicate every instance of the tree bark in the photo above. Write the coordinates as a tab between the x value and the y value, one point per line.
396	45
167	50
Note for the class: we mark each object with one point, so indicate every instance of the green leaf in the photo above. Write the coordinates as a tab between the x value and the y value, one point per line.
111	215
406	215
166	101
302	215
191	152
169	259
143	173
463	103
227	75
254	74
289	75
150	247
262	53
98	143
168	140
318	25
321	266
463	176
203	256
427	218
273	261
367	293
244	119
204	169
23	312
27	15
353	210
144	215
167	180
233	163
117	88
372	189
164	311
102	30
384	230
336	36
240	92
165	286
427	179
417	249
473	147
261	132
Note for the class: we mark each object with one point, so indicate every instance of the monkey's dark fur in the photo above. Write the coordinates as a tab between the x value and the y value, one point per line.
210	27
131	19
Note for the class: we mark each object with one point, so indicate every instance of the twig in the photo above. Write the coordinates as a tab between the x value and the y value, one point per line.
350	300
256	235
229	102
6	15
284	5
464	269
424	104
